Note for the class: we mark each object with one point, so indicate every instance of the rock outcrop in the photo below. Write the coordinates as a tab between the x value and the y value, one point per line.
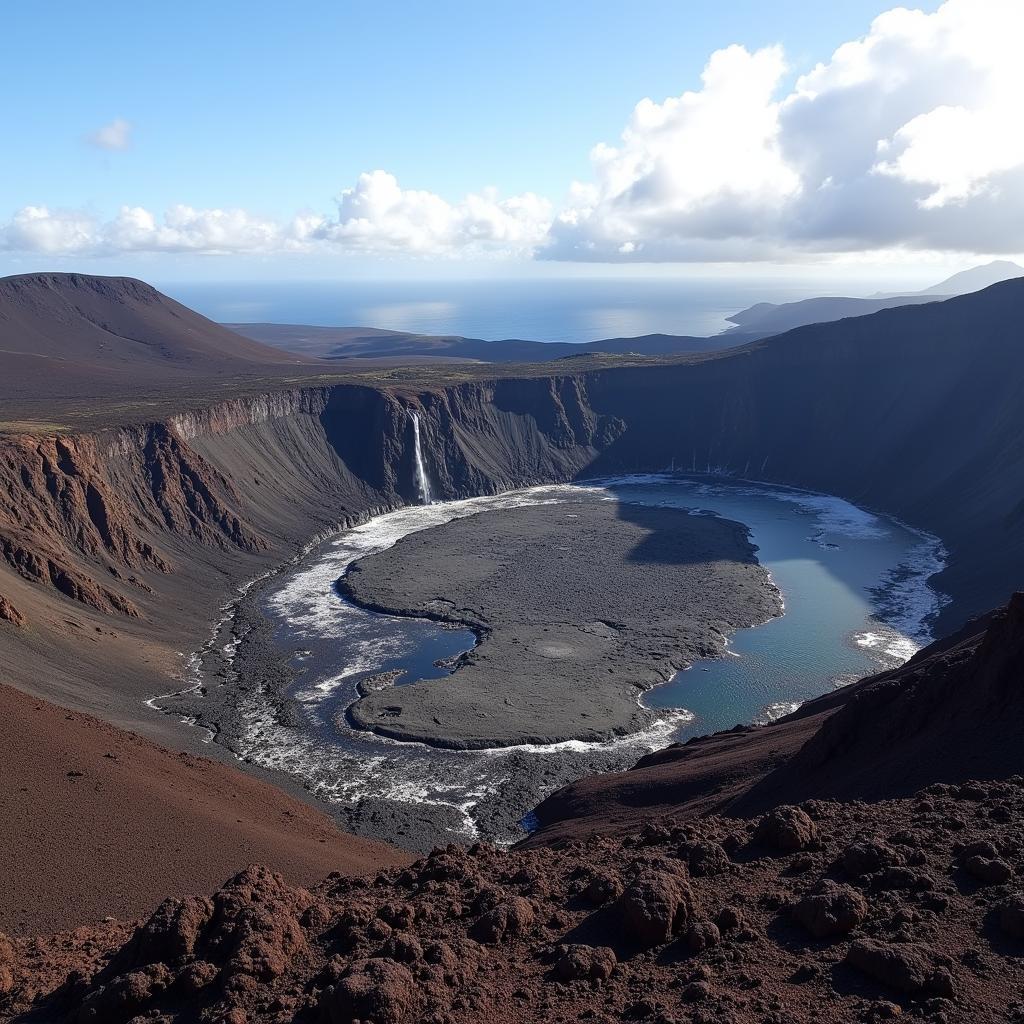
74	507
8	613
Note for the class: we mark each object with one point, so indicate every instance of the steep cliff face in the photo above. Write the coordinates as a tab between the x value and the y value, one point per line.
328	456
489	436
83	513
58	512
154	523
313	458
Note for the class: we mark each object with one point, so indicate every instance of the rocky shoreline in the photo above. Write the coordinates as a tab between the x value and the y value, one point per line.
245	661
258	663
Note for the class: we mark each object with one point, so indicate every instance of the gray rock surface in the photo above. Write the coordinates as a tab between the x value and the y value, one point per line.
579	609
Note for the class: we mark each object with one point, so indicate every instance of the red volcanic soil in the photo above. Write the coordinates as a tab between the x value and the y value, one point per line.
98	822
828	912
828	909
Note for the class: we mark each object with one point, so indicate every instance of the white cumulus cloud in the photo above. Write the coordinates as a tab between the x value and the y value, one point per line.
40	229
135	229
377	215
705	166
184	229
907	137
116	134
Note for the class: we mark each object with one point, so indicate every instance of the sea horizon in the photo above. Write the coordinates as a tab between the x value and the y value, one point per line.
547	310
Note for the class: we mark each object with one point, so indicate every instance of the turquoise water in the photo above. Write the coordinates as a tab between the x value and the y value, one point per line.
854	587
855	593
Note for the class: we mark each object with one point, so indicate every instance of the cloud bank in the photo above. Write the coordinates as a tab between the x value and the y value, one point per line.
907	138
375	217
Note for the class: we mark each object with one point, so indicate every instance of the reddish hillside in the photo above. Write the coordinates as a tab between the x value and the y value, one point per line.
87	335
101	822
827	913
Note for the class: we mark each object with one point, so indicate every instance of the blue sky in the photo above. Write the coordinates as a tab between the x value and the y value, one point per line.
274	106
271	111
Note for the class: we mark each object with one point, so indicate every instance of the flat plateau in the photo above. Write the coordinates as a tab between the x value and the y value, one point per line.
579	607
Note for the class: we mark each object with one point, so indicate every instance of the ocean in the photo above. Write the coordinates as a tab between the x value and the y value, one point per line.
573	310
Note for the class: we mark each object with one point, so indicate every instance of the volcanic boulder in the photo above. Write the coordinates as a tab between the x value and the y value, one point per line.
1011	916
868	855
508	919
906	967
988	870
830	910
580	962
786	830
376	989
654	908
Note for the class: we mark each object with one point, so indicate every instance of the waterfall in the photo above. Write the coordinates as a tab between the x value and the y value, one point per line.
422	483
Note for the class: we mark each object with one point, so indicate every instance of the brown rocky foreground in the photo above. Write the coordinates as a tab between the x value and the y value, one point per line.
824	912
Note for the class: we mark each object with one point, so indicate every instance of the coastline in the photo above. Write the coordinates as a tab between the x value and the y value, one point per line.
242	660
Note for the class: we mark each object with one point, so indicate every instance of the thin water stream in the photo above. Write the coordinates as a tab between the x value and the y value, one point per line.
422	481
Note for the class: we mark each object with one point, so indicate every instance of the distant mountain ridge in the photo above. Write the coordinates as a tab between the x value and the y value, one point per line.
766	318
974	279
336	343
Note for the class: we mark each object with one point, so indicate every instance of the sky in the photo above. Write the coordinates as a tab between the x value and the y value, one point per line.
321	139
